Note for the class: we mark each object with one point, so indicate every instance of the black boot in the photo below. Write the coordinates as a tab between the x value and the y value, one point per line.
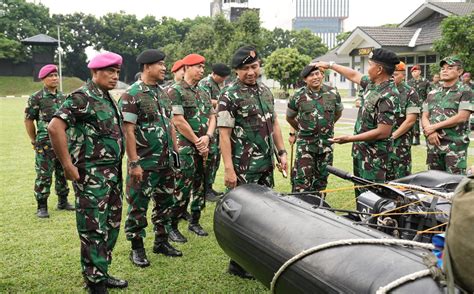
194	225
175	235
97	288
186	216
42	211
236	270
113	282
138	254
211	195
63	204
164	247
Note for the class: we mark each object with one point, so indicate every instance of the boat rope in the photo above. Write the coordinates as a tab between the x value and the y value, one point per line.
430	230
345	242
446	196
403	280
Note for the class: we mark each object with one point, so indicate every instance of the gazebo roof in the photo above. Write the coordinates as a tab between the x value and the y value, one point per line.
40	39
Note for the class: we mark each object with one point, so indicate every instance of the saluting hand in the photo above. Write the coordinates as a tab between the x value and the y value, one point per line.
71	172
320	64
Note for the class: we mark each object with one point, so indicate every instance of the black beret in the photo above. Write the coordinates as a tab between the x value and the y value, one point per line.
385	57
150	56
307	70
244	55
221	69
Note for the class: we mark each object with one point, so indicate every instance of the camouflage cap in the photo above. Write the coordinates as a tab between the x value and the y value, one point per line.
451	60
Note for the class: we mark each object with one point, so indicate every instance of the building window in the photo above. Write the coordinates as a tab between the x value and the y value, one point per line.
342	78
421	59
410	59
431	59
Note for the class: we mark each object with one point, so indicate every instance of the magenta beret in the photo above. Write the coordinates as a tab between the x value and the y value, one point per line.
105	60
46	70
193	59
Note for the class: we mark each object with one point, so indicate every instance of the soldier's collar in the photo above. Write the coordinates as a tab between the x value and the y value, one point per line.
246	87
46	91
94	88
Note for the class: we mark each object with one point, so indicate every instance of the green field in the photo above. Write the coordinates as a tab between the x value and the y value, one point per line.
42	256
19	86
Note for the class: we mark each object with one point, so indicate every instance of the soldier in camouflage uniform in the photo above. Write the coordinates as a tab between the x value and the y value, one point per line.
94	164
372	143
313	110
213	84
410	108
249	130
466	80
195	122
422	87
445	120
149	138
41	107
435	82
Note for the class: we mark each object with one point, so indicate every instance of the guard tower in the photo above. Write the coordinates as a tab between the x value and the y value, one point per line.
43	47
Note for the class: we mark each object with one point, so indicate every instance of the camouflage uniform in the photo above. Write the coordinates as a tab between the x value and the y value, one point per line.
378	106
435	85
247	110
41	107
96	147
194	103
442	104
422	86
149	109
214	157
315	113
400	157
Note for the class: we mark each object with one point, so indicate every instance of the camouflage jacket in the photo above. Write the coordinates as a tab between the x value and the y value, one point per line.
41	107
249	111
315	113
422	86
149	108
194	103
378	106
409	103
211	87
433	86
470	85
444	103
95	124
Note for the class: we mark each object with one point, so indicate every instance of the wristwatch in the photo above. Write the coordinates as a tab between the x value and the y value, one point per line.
331	63
281	152
292	134
134	163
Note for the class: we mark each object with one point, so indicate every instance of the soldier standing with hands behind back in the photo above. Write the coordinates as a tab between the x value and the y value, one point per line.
94	164
41	107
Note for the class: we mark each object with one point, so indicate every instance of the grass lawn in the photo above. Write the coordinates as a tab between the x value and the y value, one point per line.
19	86
43	255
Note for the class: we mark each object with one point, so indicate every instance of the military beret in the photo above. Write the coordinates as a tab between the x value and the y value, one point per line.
221	69
307	70
466	75
415	67
102	60
385	57
177	65
244	55
150	56
46	70
451	60
400	67
193	59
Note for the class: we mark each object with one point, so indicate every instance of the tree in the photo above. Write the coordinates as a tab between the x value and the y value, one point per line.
457	38
342	37
19	20
284	65
307	43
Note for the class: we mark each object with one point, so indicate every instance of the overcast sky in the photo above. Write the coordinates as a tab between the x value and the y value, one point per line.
276	13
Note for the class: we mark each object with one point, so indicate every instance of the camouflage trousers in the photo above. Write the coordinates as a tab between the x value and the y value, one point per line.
448	160
310	171
98	217
213	162
370	168
156	185
189	185
416	132
399	161
45	164
264	178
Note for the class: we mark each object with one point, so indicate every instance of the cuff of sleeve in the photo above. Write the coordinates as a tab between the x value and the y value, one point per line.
291	113
224	119
413	110
130	117
178	109
466	106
